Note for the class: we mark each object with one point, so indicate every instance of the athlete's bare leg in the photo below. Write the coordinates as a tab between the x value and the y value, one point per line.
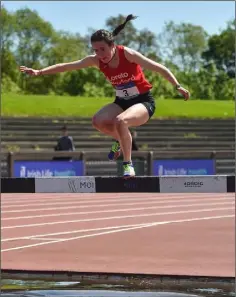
103	120
134	116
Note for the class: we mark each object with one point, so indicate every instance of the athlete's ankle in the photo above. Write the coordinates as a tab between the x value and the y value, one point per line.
127	162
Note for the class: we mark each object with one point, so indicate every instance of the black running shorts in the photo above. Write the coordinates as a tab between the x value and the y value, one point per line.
146	99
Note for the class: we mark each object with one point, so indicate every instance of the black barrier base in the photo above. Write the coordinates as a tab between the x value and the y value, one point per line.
231	184
146	184
17	185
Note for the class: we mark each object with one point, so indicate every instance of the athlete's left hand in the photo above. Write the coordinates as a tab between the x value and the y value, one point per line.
184	92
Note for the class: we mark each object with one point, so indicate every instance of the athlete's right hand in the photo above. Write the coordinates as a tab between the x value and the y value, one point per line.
30	71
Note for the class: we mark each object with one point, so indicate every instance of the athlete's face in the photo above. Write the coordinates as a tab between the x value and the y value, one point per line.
103	51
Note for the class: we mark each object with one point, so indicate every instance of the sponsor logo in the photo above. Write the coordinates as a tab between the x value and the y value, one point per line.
24	172
171	171
76	185
191	184
130	185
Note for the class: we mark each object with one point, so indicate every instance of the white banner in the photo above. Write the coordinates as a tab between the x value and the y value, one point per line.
80	184
193	184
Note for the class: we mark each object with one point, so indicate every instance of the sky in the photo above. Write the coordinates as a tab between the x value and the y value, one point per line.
78	16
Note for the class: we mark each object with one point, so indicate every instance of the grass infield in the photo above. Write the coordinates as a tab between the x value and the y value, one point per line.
65	106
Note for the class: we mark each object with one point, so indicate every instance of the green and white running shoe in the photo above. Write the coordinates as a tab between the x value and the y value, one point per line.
114	152
128	169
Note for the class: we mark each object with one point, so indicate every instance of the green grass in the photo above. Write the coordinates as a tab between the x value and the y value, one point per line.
59	106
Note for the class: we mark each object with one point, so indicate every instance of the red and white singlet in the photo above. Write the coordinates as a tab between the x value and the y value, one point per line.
128	78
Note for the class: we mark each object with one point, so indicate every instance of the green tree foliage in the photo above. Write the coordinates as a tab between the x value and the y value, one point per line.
8	35
203	64
221	50
143	41
183	44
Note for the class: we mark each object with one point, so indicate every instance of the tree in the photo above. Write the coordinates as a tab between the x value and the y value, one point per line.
207	71
143	41
34	37
66	47
146	43
183	44
221	50
8	30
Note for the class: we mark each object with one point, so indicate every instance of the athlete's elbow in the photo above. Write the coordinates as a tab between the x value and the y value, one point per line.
156	68
162	69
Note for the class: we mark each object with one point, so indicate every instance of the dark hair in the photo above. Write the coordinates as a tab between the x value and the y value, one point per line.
108	37
64	128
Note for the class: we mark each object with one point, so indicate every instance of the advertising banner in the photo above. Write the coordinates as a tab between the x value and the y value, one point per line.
184	167
23	168
82	184
193	184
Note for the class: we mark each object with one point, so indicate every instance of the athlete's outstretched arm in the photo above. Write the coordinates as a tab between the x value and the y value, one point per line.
62	67
136	57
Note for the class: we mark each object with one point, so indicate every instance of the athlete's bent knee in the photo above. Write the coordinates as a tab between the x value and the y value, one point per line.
95	122
101	124
120	122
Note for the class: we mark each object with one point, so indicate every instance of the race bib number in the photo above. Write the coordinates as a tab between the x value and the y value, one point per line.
127	91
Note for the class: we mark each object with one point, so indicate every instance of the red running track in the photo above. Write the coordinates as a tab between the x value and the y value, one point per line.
181	234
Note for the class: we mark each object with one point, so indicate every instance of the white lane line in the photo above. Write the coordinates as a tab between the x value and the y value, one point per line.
147	201
46	239
115	231
117	210
78	202
69	199
72	232
115	217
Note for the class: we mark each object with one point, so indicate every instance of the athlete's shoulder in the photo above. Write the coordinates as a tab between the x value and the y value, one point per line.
120	47
129	53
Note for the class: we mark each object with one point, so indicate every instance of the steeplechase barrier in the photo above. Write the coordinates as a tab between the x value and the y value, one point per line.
104	184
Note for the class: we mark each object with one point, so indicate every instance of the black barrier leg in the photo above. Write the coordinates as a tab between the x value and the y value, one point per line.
119	184
231	184
18	185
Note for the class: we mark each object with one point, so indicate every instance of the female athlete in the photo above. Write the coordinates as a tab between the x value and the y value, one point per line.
134	104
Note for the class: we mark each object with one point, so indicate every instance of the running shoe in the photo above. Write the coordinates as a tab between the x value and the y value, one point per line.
114	152
128	169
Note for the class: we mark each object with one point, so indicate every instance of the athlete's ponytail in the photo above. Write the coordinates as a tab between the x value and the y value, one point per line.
121	27
108	37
